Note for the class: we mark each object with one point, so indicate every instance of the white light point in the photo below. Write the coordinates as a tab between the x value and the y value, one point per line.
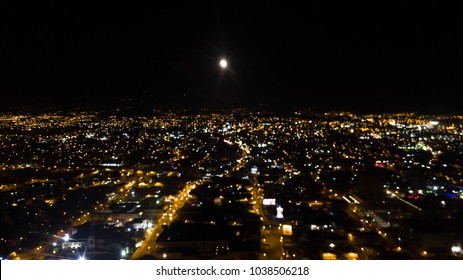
223	63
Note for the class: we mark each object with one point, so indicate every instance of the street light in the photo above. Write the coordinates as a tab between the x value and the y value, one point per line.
456	249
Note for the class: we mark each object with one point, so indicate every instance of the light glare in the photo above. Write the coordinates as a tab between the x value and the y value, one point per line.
223	63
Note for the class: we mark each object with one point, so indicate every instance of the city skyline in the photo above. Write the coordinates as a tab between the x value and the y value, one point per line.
206	130
235	184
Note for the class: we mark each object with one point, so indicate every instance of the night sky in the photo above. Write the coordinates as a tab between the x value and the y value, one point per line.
381	57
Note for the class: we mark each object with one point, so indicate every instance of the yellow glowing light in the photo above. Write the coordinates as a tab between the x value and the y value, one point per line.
329	256
287	230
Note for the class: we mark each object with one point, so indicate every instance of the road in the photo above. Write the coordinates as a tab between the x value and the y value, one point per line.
360	214
148	245
44	249
165	219
271	233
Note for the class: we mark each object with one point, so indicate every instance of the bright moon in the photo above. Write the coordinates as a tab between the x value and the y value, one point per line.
223	63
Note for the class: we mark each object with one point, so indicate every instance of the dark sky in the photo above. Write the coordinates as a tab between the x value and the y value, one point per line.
380	57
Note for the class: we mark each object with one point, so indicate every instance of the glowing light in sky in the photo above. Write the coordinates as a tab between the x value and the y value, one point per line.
223	63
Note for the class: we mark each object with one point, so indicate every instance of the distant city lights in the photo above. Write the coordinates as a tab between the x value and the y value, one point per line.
88	178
